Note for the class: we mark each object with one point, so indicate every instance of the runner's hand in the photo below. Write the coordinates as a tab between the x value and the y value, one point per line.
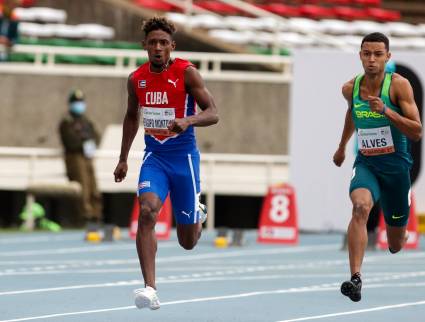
339	157
178	125
376	104
120	171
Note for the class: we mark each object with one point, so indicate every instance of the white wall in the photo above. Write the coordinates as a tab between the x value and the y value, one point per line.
317	111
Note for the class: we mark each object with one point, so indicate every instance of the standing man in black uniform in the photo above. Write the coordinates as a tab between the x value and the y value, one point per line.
80	138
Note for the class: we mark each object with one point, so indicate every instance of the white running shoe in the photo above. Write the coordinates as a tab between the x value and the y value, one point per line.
202	213
146	297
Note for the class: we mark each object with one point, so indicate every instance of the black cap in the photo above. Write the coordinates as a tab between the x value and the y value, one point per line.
76	95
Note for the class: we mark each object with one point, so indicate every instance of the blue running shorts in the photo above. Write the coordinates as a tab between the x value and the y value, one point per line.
163	173
393	189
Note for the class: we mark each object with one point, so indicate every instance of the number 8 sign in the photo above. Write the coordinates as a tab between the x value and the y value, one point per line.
278	218
279	211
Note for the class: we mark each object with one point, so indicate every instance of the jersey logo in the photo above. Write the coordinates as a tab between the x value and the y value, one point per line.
144	184
368	114
173	82
358	105
142	83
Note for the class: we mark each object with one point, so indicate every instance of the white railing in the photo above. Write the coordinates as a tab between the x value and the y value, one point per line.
210	64
223	174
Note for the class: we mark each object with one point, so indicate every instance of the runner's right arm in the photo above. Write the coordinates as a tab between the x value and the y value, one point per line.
129	130
347	132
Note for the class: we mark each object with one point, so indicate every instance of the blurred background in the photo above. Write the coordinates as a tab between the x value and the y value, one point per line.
274	67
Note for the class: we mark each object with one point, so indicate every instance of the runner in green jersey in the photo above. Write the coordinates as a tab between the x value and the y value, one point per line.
382	111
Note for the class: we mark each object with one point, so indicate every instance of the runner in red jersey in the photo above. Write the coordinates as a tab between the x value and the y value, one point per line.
165	92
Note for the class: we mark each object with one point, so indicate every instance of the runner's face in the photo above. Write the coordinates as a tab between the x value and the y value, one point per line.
374	56
159	45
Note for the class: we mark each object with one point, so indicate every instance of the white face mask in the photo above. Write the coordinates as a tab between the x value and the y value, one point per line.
77	107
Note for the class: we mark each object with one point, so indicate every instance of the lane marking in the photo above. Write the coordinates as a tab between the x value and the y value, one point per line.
71	250
373	309
88	248
38	239
218	276
226	297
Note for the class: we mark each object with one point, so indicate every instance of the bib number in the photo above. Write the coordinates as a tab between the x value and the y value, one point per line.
375	141
156	120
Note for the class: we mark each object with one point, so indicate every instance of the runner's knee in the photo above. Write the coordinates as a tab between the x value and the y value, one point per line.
147	216
396	245
187	243
361	210
187	240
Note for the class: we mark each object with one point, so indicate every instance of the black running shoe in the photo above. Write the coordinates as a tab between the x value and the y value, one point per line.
353	288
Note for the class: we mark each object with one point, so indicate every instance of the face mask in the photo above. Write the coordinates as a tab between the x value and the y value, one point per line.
78	107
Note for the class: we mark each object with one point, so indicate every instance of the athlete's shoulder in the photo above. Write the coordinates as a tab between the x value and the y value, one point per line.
400	87
182	64
141	69
347	89
397	79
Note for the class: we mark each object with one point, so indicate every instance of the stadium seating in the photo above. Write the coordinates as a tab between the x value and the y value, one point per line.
218	7
281	9
42	15
369	3
324	9
156	5
379	14
349	13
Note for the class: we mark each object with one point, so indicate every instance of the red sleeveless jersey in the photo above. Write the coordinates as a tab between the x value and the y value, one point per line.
162	97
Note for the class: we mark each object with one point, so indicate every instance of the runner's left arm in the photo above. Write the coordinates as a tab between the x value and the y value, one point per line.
409	122
348	130
196	87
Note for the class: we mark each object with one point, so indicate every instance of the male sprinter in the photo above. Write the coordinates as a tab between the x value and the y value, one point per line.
382	110
164	90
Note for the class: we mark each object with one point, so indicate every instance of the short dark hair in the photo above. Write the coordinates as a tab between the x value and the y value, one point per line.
158	23
377	37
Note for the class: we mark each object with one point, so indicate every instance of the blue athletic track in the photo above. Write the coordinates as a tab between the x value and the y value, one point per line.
59	277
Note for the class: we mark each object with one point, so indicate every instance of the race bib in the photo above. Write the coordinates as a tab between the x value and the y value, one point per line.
375	141
156	120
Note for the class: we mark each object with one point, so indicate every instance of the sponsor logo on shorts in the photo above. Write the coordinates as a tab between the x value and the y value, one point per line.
144	184
397	217
186	213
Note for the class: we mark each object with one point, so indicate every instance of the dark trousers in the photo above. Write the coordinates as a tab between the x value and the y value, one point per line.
80	169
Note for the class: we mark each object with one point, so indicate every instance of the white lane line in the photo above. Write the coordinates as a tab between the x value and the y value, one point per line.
71	250
41	317
54	269
88	248
373	309
84	262
87	267
38	239
314	288
202	299
218	276
241	253
183	258
74	287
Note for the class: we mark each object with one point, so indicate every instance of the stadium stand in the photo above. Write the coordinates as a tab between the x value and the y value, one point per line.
227	25
53	34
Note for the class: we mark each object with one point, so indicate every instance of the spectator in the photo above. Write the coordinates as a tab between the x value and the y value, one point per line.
80	138
8	27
